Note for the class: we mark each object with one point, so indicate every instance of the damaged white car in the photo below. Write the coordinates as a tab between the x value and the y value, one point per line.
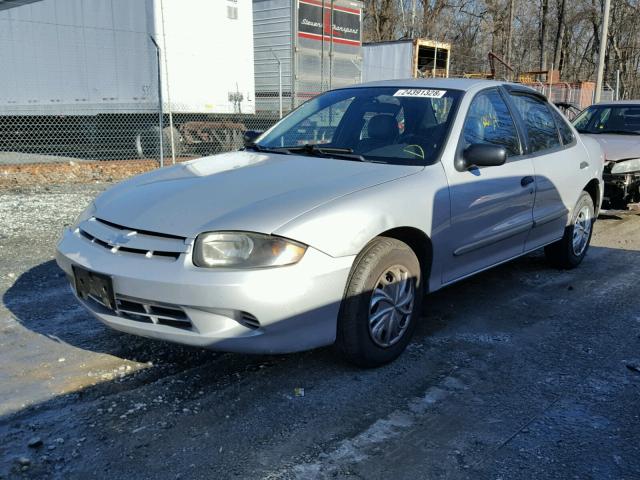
616	126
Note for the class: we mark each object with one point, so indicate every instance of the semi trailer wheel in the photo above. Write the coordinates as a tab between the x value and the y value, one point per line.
147	142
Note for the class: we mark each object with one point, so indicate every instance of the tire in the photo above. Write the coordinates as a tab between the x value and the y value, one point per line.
562	253
382	260
147	142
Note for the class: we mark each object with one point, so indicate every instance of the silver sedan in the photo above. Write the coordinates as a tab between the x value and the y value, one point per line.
329	227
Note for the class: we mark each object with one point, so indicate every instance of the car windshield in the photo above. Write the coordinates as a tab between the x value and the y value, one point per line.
378	124
619	119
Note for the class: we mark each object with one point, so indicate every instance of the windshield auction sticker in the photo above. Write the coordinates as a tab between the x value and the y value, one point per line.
420	92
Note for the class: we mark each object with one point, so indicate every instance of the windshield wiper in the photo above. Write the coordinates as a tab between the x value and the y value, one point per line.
334	152
260	148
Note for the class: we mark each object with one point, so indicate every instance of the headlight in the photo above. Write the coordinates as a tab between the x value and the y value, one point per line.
86	214
245	250
627	166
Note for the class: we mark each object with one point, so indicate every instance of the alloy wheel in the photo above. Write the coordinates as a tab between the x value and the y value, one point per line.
391	306
581	230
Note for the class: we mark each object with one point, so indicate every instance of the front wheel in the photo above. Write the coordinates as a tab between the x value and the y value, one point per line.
569	251
382	303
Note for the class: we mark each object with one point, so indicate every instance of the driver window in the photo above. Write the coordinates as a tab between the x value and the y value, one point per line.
489	121
318	128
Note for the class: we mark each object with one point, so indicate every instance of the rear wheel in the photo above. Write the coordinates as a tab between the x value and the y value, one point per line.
382	303
569	251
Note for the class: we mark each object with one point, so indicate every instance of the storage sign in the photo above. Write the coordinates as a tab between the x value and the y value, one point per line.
315	22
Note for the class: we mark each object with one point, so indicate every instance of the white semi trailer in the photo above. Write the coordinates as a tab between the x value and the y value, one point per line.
78	73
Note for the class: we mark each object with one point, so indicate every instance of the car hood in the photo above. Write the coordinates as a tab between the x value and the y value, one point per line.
618	147
237	191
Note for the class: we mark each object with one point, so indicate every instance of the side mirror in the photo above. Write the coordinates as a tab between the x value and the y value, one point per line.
482	155
249	136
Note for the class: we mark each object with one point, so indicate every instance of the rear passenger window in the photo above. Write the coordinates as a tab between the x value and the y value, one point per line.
566	134
489	121
541	127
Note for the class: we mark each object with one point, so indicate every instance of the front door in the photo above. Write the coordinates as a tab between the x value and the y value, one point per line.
491	207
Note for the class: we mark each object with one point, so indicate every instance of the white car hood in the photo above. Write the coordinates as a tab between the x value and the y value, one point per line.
237	191
618	147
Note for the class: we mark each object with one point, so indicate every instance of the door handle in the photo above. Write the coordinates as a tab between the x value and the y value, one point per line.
526	180
583	165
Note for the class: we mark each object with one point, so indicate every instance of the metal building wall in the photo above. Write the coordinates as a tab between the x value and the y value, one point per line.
387	61
273	41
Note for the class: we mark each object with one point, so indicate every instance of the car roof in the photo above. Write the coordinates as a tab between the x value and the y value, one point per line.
618	103
464	84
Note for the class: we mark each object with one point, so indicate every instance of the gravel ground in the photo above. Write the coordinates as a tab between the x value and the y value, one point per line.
18	158
520	372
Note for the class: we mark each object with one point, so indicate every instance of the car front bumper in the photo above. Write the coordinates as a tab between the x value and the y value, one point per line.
621	189
273	310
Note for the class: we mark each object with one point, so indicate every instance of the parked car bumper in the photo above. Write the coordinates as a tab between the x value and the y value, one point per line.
274	310
621	189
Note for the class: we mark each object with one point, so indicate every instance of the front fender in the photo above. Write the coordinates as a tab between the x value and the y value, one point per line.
596	155
345	225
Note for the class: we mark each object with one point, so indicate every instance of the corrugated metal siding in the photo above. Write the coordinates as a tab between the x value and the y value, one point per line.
387	61
272	35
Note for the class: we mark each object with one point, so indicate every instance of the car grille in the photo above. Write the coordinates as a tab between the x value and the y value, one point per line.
145	311
142	311
125	240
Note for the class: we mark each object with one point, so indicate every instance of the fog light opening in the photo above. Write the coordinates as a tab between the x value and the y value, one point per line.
249	321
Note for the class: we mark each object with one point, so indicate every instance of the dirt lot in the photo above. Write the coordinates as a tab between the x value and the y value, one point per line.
521	372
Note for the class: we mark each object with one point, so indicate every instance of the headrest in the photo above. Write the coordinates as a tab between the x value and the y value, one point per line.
383	127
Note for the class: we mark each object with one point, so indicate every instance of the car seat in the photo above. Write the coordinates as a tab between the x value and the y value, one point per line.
382	130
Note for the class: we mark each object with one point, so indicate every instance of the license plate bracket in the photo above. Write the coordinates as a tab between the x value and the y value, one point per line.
96	286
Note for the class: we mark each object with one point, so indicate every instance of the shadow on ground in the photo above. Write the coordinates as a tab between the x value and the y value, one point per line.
41	300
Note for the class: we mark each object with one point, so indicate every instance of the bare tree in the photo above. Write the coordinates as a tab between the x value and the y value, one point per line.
381	20
560	30
544	10
529	35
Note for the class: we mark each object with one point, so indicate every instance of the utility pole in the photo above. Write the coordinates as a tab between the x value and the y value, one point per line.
509	33
543	33
413	18
603	50
166	75
160	124
279	80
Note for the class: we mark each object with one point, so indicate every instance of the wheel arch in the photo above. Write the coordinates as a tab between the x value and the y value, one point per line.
421	245
594	190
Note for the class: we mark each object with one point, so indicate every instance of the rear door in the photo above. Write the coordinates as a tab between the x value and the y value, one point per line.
491	207
560	166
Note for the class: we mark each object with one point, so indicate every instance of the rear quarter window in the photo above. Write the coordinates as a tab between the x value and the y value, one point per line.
566	134
539	122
